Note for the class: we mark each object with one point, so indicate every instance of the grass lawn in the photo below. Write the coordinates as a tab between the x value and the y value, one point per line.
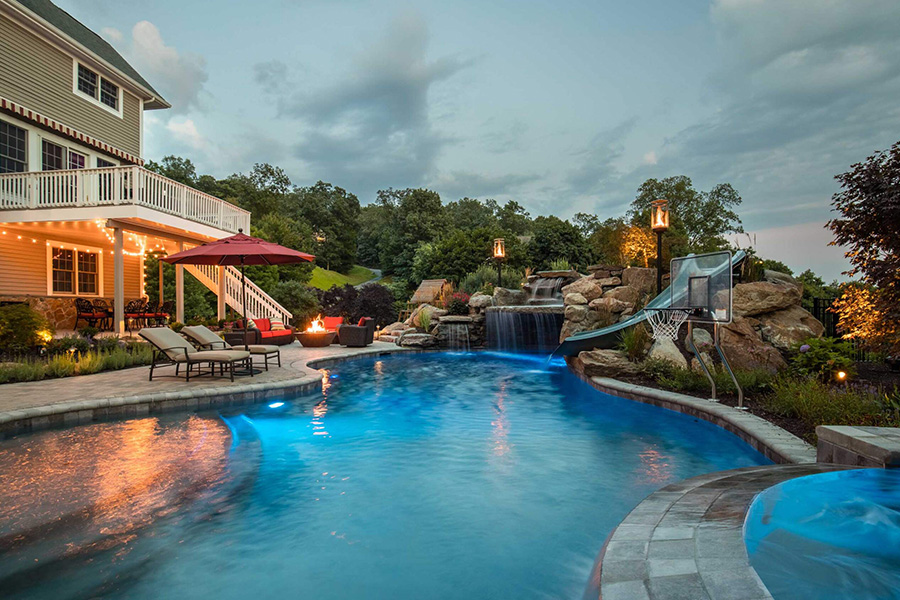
324	279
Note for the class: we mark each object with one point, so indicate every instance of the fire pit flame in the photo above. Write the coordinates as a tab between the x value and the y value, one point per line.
316	326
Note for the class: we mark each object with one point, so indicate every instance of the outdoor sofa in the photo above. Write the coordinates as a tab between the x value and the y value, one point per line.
207	339
357	336
173	350
264	333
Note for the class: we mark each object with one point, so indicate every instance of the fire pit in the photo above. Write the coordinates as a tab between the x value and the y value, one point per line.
315	336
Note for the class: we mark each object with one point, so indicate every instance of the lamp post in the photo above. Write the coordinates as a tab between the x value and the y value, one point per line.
499	255
659	222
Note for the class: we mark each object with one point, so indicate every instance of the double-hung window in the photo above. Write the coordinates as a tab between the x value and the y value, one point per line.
98	88
74	271
12	148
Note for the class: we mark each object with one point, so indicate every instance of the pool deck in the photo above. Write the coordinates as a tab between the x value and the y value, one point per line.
127	393
686	540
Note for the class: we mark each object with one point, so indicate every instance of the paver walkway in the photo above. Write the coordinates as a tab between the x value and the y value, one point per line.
129	387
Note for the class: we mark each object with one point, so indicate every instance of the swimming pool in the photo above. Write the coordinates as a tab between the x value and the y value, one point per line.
433	475
828	536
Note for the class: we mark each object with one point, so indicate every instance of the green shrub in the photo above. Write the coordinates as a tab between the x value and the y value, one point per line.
61	365
116	359
88	332
88	363
375	301
634	342
560	264
673	378
484	278
823	358
177	326
70	344
106	344
423	320
22	328
816	402
141	353
30	370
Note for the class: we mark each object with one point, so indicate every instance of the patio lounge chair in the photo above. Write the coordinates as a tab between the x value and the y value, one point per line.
357	336
172	349
208	340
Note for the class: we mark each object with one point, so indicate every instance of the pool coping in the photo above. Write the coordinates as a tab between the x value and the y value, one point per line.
67	414
776	444
687	540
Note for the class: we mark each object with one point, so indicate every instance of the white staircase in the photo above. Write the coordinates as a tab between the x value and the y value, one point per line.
259	304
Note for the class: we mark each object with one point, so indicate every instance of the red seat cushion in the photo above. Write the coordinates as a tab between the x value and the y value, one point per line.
362	322
263	324
332	322
271	334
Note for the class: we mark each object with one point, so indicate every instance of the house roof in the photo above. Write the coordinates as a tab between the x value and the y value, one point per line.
91	42
428	290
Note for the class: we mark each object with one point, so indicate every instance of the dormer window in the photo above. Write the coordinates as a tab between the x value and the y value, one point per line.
97	88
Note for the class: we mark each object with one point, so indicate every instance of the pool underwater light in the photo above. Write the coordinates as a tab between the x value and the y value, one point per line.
276	405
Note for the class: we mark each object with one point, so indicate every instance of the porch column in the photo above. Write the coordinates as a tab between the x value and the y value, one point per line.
119	282
221	295
179	289
160	264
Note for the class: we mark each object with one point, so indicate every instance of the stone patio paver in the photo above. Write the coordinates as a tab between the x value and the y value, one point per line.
128	393
696	550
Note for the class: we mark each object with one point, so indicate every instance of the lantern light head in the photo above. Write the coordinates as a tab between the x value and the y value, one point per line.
499	248
320	237
659	215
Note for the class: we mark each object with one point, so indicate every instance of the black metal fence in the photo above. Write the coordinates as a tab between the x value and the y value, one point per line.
821	309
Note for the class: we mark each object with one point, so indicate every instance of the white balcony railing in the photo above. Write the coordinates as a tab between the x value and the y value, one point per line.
115	186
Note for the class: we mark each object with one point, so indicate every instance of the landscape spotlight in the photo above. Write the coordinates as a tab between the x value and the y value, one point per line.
659	222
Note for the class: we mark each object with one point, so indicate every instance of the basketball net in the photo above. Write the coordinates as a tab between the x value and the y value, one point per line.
666	322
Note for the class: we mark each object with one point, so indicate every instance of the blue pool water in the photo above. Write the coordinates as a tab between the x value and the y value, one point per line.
420	476
829	536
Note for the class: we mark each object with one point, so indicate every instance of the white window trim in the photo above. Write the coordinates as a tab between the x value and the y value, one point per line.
91	99
51	244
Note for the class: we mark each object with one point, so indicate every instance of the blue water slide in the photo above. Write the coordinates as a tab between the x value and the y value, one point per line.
608	337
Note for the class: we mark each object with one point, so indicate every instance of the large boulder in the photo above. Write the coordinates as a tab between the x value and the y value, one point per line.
434	311
574	298
607	304
570	328
626	293
508	297
786	328
417	340
576	313
760	297
745	349
609	281
604	363
480	300
702	339
640	278
586	286
780	278
664	349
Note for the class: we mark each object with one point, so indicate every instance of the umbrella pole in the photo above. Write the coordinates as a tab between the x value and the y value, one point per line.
244	301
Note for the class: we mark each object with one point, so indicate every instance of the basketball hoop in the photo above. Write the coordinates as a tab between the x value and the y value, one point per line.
666	321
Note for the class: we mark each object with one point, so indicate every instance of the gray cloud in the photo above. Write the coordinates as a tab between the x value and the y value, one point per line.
372	128
458	184
803	94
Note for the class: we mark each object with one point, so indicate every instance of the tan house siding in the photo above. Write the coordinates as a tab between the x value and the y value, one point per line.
23	265
39	76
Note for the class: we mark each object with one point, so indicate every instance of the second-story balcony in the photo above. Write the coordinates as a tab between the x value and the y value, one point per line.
118	186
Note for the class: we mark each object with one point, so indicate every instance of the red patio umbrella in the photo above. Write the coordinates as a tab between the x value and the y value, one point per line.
239	250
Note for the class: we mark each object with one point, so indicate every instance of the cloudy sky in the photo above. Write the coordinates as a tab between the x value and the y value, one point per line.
564	106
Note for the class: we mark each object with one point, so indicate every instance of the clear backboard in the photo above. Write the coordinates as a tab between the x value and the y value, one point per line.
702	285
